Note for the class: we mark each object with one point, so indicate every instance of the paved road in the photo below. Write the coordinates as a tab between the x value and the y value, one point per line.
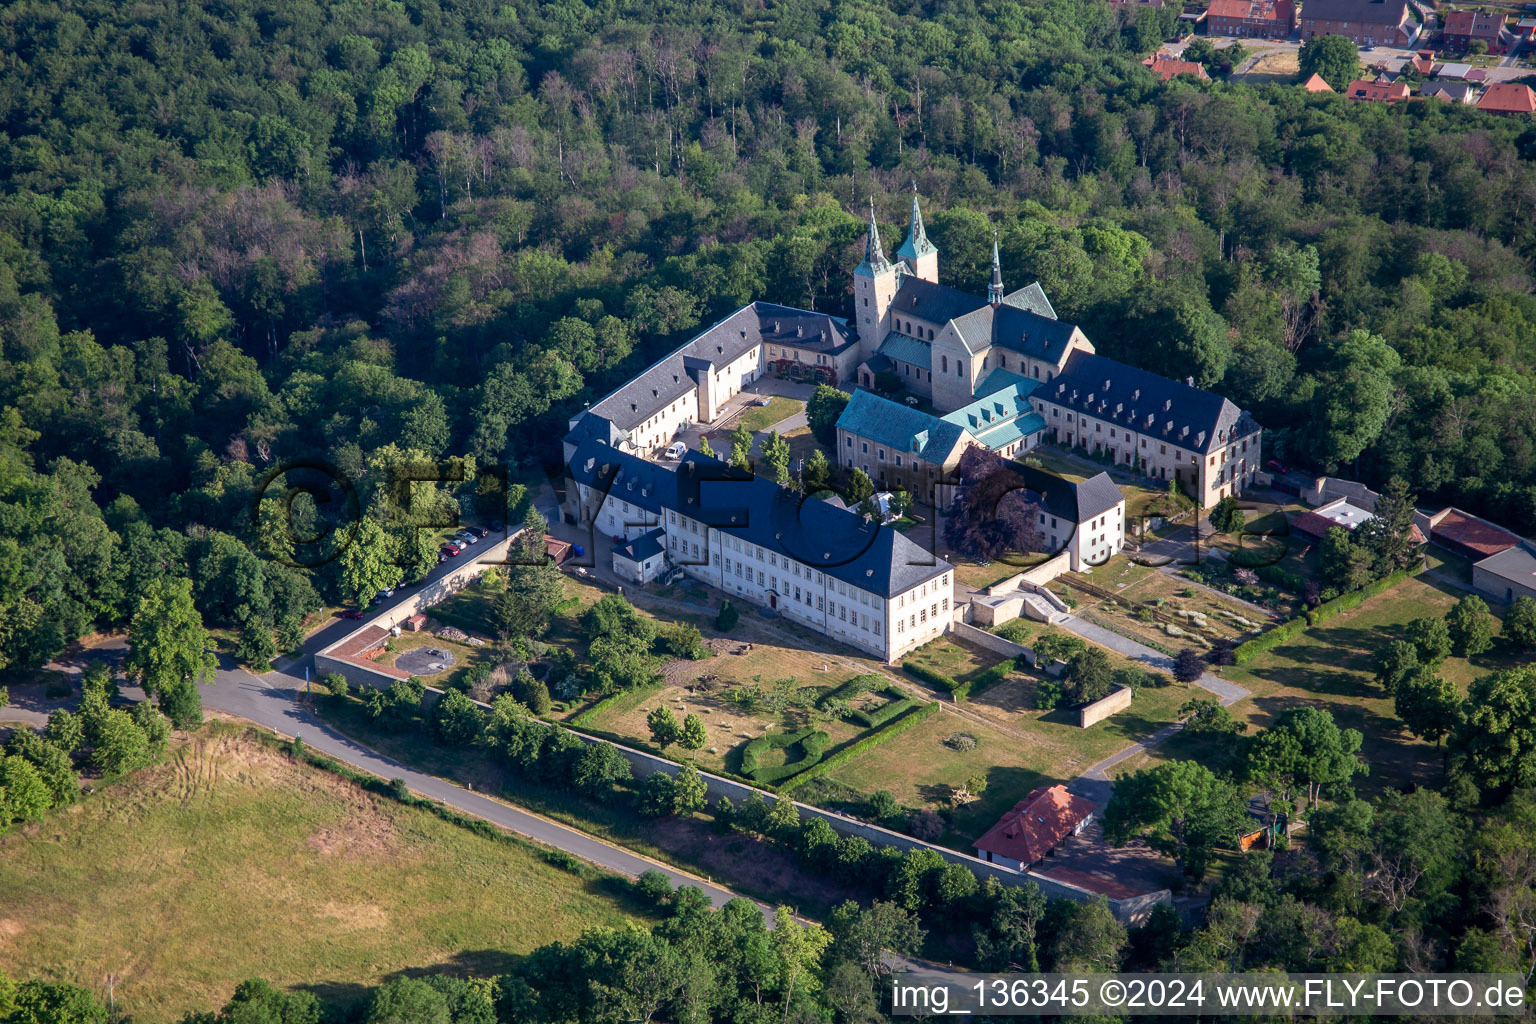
1227	693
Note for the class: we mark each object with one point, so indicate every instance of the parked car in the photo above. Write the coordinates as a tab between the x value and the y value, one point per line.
352	613
442	556
452	549
479	531
386	593
1277	466
465	537
676	450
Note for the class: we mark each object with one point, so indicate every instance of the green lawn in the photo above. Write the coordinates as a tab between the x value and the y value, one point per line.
1332	665
233	861
761	417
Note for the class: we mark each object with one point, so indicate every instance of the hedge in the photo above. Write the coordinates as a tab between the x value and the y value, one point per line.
853	750
858	686
898	703
1247	651
585	718
812	741
1353	599
982	680
928	675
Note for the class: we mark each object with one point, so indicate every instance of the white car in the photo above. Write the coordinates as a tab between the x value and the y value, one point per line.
676	450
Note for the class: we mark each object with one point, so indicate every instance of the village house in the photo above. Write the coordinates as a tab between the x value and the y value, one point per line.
1366	22
1036	825
1256	19
1508	98
1450	92
1168	67
1377	92
1463	28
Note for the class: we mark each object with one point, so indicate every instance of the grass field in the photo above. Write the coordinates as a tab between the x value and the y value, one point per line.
1332	666
761	417
233	861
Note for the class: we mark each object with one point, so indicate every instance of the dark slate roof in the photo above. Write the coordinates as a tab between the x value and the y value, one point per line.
935	303
638	549
1375	12
1019	330
901	348
1073	502
675	374
589	426
842	544
1180	414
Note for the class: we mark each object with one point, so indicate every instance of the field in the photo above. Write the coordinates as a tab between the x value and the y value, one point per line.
1332	665
1279	66
233	861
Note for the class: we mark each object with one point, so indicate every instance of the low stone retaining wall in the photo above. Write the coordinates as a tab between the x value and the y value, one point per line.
1102	708
1007	648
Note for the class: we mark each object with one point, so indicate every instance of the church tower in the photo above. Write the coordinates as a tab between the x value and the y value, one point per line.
874	288
921	258
995	288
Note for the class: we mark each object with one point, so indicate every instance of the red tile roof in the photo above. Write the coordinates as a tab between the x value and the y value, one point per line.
1036	824
1476	535
1251	10
1379	92
1316	84
1166	67
1473	23
1508	98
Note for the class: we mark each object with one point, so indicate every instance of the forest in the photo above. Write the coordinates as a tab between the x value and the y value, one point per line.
237	234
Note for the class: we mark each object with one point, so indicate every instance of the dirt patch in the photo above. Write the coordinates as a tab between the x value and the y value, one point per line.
10	928
355	916
766	870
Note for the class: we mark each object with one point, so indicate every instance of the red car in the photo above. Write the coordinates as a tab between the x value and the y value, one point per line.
453	548
1277	466
352	613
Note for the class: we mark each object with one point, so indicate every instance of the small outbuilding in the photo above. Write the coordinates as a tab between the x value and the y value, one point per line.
640	558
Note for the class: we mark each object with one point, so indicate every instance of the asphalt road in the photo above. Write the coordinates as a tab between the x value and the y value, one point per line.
274	705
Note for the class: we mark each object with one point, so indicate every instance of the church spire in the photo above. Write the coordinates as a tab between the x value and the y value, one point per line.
995	289
874	256
917	243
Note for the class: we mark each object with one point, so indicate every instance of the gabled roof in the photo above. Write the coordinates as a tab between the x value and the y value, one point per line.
1372	12
899	427
676	373
1482	24
1250	10
1000	417
1515	564
1166	67
904	349
638	549
1377	92
1508	98
1031	297
840	543
935	303
1036	824
1177	413
1453	92
1476	536
1016	329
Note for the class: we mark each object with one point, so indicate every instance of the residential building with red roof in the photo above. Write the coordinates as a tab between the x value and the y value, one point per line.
1339	512
1463	28
1423	62
1257	19
1316	84
1508	98
1166	67
1034	827
1366	22
1377	92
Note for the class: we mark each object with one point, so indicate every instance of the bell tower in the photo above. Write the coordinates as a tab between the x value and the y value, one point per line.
874	287
919	254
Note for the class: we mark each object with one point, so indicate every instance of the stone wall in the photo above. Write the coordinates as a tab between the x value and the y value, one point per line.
1091	714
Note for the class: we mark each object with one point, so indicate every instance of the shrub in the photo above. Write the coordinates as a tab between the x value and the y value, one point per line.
929	676
1017	630
812	743
456	720
683	640
1188	665
657	796
961	741
883	806
1048	695
926	825
855	687
986	678
898	703
728	617
853	750
335	684
654	887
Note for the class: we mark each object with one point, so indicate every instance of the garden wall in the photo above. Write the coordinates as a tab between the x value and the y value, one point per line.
1091	714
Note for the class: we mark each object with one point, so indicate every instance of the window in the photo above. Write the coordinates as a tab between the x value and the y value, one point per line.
759	554
944	364
821	604
850	442
880	454
717	559
898	460
864	447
